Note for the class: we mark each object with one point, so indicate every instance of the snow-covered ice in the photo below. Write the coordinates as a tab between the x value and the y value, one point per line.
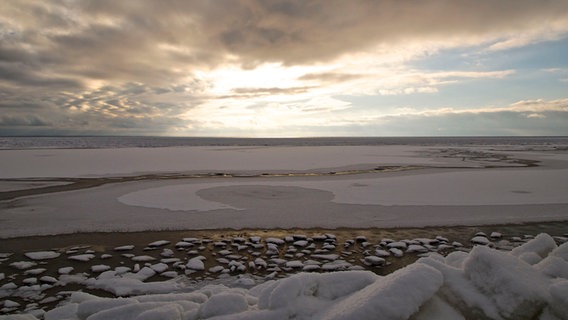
130	161
42	255
23	264
82	257
124	248
412	198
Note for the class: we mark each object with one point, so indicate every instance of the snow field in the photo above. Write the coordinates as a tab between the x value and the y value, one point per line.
224	261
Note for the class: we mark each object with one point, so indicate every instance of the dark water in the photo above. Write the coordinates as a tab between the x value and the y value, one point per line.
105	142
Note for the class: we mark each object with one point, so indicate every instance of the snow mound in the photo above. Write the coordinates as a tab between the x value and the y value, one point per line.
483	284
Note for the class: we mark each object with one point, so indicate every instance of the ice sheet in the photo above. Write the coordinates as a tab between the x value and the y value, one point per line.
412	198
131	161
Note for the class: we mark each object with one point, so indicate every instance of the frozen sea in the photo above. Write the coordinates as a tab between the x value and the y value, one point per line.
100	142
155	183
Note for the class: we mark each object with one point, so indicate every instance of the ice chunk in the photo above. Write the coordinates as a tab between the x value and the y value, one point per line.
397	245
553	267
100	268
275	241
142	274
82	257
19	317
556	264
124	248
382	253
196	263
260	263
30	281
129	286
92	306
216	269
167	253
165	312
65	270
35	271
559	299
530	257
294	264
9	286
42	255
159	243
542	245
64	312
461	293
169	274
159	267
561	252
374	261
397	296
437	308
11	304
143	258
311	267
480	240
396	252
329	257
225	252
496	235
236	265
290	291
183	244
336	265
497	275
222	304
22	265
128	311
300	243
416	248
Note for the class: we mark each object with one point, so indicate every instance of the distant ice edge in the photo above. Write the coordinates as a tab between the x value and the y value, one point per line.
530	282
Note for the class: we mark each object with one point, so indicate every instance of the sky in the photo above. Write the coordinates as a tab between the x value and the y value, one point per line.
272	68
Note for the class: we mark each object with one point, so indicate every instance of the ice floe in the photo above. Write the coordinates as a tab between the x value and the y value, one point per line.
42	255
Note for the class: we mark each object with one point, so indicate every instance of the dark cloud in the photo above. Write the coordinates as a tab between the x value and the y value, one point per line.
23	75
29	120
128	40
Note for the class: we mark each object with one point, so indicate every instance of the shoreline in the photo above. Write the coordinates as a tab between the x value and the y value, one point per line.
458	231
219	249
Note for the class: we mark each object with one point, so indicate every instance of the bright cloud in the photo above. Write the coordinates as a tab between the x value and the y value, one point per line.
278	68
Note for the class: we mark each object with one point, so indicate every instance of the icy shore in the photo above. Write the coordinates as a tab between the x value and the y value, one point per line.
529	282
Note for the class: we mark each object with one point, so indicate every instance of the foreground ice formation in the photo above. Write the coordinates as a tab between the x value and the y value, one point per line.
483	284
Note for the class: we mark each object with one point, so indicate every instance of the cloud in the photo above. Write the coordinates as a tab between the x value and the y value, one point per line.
161	67
29	120
124	40
330	77
256	92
